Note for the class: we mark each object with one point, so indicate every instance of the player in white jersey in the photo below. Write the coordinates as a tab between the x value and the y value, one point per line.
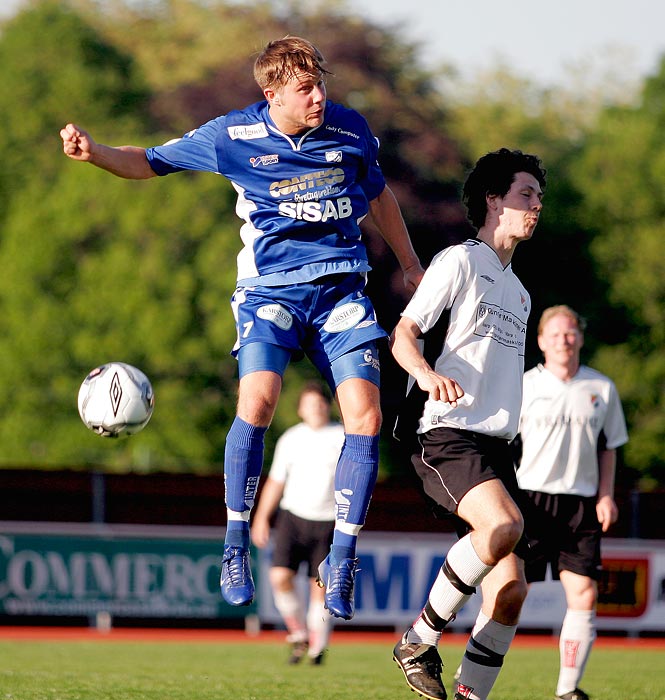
306	173
471	311
300	489
570	427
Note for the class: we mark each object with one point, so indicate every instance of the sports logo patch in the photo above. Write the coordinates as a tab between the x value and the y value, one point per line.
334	156
344	317
277	314
272	159
370	361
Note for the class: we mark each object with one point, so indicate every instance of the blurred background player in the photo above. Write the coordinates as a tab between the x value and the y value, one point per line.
461	338
570	426
306	172
300	487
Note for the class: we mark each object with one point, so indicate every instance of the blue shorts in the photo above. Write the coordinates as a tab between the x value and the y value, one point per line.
330	320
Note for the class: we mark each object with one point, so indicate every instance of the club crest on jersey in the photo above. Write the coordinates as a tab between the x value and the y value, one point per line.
245	132
272	159
344	317
277	314
334	156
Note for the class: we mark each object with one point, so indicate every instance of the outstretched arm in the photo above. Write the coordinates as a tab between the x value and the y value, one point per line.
124	161
388	217
406	350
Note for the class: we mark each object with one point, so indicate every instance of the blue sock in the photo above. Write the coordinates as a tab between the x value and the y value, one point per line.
243	462
355	477
237	533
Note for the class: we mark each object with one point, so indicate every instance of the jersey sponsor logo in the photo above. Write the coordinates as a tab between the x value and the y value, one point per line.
317	195
500	325
247	132
344	317
277	314
551	421
308	181
326	210
334	156
344	132
272	159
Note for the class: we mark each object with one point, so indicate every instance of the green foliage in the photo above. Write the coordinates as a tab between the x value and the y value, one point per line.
621	173
60	67
142	272
96	268
91	279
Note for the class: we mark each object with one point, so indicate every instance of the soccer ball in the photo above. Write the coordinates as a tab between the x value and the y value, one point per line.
116	399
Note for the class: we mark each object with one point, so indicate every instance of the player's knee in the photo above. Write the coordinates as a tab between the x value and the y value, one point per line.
583	598
367	423
256	410
505	536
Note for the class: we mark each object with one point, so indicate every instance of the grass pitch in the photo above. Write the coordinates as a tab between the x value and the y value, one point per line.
108	669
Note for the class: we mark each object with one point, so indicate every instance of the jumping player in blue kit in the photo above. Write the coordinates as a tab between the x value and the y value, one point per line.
306	173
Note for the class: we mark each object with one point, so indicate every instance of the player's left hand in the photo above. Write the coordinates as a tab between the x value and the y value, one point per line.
607	512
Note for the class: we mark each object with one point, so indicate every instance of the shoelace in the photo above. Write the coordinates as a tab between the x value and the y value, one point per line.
342	580
235	560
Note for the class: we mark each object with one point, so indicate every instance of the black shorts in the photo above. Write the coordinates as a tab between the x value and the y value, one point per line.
563	532
297	540
452	461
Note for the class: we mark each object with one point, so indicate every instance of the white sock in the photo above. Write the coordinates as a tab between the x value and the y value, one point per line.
445	598
488	644
578	632
290	607
320	625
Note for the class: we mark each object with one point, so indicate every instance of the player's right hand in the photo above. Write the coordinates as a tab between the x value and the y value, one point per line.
260	533
440	388
76	143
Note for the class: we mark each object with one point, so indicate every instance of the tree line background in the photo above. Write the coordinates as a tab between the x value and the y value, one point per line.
96	268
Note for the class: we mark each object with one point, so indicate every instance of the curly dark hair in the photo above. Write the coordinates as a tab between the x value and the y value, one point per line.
494	173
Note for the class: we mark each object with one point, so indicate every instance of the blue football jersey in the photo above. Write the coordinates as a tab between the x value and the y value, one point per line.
301	198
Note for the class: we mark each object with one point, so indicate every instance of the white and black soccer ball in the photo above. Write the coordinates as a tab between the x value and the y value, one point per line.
116	399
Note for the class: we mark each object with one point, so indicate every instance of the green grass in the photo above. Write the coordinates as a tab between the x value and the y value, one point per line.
115	670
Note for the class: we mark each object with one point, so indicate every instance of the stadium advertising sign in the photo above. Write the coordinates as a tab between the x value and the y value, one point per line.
121	576
397	570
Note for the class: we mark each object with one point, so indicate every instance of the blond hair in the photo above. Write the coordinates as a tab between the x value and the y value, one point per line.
564	310
283	59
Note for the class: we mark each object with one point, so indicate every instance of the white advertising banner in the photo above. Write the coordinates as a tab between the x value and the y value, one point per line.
397	570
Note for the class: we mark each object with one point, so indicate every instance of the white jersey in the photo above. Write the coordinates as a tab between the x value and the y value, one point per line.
305	461
560	426
483	348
